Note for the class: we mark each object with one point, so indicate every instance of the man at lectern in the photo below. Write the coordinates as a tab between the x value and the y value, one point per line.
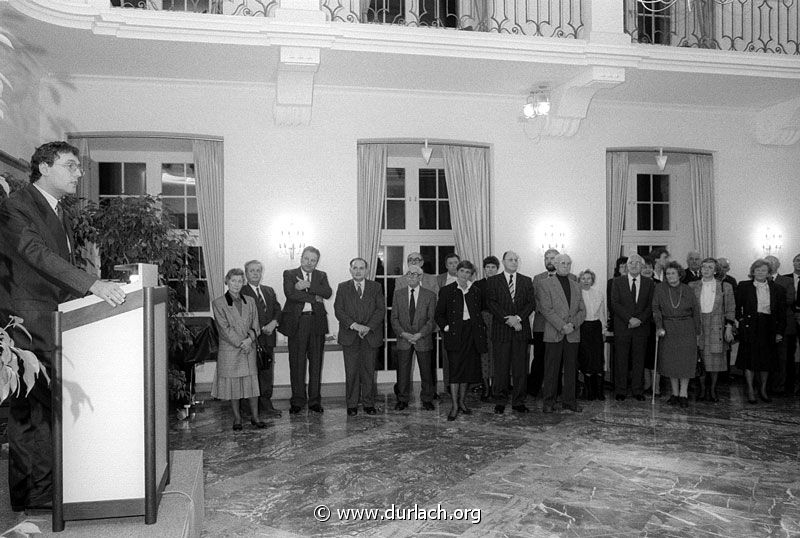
36	251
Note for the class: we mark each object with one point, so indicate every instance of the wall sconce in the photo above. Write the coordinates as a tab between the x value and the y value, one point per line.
427	151
552	238
771	242
661	159
538	104
292	241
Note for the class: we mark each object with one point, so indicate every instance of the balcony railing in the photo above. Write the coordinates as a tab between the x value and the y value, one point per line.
545	18
743	25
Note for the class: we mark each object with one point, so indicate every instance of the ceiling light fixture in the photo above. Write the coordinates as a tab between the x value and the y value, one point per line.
661	159
427	151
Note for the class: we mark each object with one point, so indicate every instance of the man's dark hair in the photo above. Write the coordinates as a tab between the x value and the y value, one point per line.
452	255
48	153
491	260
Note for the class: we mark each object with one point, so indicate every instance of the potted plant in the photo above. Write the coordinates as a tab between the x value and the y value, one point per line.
12	357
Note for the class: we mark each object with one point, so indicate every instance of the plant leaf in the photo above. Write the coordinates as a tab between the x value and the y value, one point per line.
31	364
6	41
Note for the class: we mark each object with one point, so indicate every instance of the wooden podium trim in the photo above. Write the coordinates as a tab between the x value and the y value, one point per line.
91	313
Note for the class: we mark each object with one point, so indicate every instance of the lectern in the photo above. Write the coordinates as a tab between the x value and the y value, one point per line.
109	379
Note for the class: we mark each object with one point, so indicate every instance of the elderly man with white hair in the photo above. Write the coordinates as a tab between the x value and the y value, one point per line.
631	303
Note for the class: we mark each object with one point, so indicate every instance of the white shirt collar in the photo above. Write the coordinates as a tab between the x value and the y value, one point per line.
507	275
52	200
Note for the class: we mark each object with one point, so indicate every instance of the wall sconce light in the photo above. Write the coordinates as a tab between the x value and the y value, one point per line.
771	242
537	104
427	151
552	238
661	159
292	241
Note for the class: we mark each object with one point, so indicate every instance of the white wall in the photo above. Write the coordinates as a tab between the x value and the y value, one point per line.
309	173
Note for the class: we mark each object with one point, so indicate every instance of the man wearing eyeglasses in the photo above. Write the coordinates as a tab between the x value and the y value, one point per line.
37	251
429	282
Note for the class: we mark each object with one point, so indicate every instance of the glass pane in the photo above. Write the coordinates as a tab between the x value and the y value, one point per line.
192	222
198	297
643	250
391	284
661	216
180	291
175	208
392	355
191	180
135	174
395	182
380	361
110	175
395	214
429	256
173	180
389	329
643	216
427	183
642	188
442	185
201	262
444	216
661	188
427	215
394	264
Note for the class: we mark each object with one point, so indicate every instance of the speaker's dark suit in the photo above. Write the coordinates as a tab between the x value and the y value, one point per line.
510	346
268	312
37	261
306	333
360	353
423	323
630	345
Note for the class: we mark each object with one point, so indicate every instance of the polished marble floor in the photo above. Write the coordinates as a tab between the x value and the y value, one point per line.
617	469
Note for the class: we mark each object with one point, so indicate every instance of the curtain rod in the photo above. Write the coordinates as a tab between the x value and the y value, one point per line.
431	142
655	150
135	134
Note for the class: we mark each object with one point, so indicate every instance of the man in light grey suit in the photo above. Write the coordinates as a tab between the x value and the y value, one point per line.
563	309
537	365
413	310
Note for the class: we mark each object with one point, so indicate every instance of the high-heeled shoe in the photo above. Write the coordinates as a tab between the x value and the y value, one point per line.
258	423
451	416
237	426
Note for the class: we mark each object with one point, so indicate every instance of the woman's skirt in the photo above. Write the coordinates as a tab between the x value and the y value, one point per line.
713	361
591	359
465	362
234	388
677	349
759	354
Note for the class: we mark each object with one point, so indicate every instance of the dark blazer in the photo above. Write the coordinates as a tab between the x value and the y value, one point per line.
747	309
265	315
787	283
621	304
690	277
450	313
35	254
424	318
369	310
296	299
557	312
501	305
441	280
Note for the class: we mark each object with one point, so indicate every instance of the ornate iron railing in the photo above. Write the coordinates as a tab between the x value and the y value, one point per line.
190	6
770	26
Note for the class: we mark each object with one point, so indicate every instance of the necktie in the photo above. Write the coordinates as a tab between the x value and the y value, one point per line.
360	291
412	307
633	289
60	214
511	289
261	300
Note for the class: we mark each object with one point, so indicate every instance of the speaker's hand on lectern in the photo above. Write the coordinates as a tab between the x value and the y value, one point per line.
110	292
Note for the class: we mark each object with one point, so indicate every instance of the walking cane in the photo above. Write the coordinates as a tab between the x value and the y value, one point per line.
655	369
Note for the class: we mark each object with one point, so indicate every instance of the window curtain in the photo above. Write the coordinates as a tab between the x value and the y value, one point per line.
701	174
467	176
209	172
372	161
616	193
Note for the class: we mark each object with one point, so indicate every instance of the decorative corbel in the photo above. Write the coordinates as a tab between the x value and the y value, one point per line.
294	91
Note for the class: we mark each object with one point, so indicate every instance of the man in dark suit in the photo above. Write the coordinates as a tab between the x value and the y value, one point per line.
537	365
37	255
412	318
562	307
269	317
631	303
693	263
511	299
783	381
360	309
304	321
793	335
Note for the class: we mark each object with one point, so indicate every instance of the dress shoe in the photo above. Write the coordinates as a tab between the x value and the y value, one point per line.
428	406
316	408
548	409
684	402
451	416
499	409
575	408
237	426
352	411
272	413
370	411
639	397
258	423
673	400
293	410
399	406
464	409
752	401
520	409
764	398
620	397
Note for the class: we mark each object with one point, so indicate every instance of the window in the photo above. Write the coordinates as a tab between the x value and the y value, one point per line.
652	202
171	174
